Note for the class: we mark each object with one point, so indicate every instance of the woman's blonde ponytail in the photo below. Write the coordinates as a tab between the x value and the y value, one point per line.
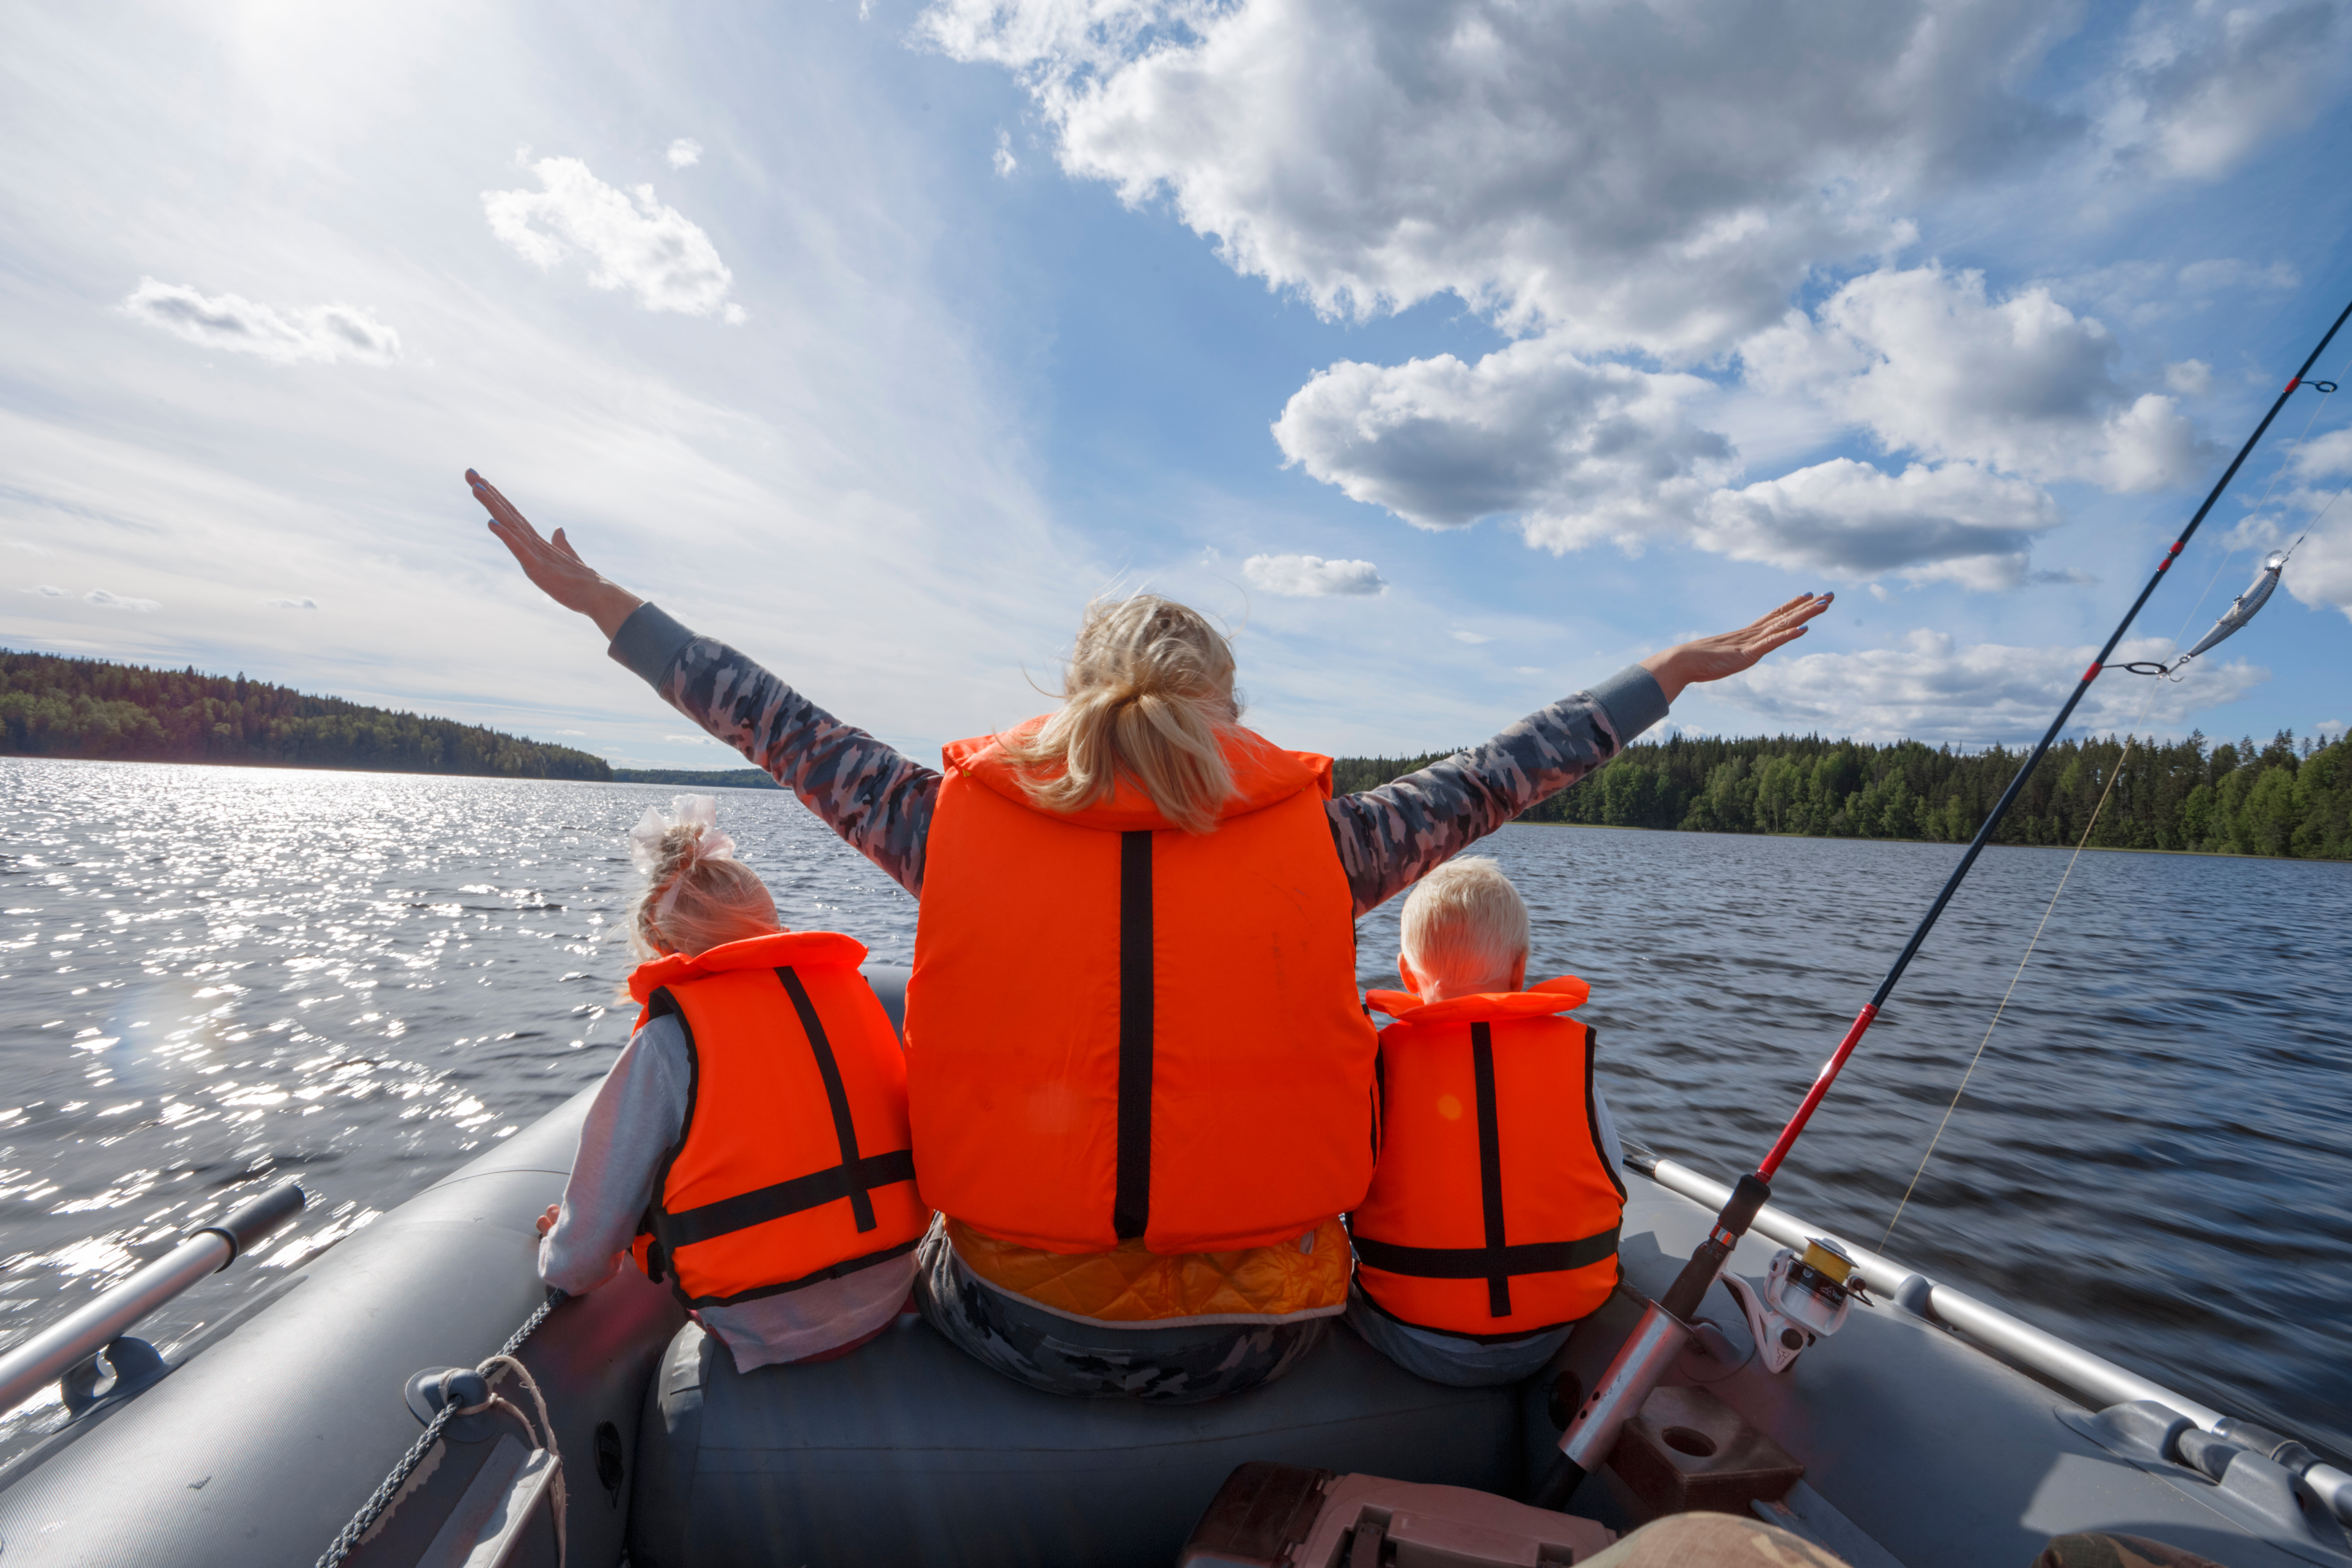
1149	696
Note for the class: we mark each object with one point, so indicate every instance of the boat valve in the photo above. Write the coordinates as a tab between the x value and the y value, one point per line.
1805	1296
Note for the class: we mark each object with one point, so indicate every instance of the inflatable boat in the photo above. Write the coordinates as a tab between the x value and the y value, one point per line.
1931	1430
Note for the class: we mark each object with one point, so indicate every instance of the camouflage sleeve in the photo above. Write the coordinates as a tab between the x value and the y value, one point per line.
879	800
1389	836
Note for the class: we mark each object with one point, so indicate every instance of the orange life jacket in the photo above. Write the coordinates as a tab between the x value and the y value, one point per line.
1119	1029
793	1165
1493	1213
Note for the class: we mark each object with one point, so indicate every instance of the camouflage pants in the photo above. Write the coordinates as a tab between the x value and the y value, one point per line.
1066	1355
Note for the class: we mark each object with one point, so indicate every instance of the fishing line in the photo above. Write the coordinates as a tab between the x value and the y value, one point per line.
2131	740
2055	893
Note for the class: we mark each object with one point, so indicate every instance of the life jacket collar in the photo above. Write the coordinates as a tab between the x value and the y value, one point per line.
774	950
1263	773
1542	999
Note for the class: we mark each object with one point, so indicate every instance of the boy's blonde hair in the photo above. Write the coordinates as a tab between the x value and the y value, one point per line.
697	896
1150	695
1465	925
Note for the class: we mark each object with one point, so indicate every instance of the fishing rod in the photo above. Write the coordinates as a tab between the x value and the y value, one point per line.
1665	1325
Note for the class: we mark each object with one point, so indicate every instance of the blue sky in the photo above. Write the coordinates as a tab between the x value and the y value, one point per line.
1457	354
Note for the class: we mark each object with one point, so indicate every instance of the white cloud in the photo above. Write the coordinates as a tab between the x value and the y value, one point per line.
1931	689
2191	377
1926	361
2201	85
1578	452
1312	577
1004	162
2229	275
629	239
107	601
291	604
685	153
1635	174
323	333
2324	456
2330	730
1473	638
47	591
689	739
1583	453
1844	519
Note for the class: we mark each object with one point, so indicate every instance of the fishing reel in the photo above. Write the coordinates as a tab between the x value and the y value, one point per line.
1804	1298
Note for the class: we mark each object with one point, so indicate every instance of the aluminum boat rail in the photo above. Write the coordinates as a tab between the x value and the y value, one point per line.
2100	1383
72	1343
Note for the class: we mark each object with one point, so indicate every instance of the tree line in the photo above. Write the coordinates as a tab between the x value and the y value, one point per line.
2287	798
90	708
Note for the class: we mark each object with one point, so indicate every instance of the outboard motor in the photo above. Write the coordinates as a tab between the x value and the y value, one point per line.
1804	1298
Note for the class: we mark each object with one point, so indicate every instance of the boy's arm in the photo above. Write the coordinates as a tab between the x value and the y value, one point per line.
1390	836
877	798
634	1119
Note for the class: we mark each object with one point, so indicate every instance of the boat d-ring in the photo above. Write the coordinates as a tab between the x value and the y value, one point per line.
427	1392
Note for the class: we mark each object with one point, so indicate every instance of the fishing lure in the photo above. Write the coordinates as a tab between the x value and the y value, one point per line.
2241	609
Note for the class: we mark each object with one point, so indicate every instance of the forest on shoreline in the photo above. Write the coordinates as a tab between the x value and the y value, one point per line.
97	710
2288	798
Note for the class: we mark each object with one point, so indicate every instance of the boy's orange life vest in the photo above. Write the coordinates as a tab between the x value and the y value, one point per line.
793	1165
1119	1029
1493	1213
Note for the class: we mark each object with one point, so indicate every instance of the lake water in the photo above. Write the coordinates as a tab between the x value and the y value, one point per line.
212	977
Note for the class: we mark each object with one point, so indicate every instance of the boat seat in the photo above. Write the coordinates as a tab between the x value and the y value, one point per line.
907	1451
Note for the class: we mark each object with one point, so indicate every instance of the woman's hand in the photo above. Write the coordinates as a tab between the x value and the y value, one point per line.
1728	653
557	570
546	1222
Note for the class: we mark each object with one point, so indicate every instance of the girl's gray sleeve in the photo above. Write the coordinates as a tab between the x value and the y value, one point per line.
1390	836
636	1116
877	799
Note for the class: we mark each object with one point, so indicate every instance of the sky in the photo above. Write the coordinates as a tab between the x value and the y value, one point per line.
1456	355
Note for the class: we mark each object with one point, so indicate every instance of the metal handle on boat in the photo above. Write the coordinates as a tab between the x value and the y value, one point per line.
57	1349
2100	1382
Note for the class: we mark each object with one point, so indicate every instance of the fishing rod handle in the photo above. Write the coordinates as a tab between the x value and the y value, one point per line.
1739	1209
1640	1363
51	1353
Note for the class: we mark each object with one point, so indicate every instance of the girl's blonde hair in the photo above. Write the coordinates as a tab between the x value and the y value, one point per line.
1149	696
697	895
1466	925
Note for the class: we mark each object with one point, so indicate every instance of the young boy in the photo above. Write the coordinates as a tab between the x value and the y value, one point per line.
1491	1227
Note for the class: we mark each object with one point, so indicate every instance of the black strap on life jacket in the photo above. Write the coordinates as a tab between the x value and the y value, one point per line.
854	1178
1490	1162
1130	1210
1497	1261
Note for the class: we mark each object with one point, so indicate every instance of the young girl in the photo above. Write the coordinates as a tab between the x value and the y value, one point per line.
749	1145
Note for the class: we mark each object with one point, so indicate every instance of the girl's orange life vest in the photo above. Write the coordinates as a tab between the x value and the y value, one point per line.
1493	1213
793	1165
1119	1029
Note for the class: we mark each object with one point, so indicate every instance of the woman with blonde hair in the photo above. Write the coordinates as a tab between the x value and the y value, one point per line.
1141	1078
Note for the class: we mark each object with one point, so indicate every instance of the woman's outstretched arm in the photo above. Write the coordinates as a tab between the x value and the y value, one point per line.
877	798
1390	836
